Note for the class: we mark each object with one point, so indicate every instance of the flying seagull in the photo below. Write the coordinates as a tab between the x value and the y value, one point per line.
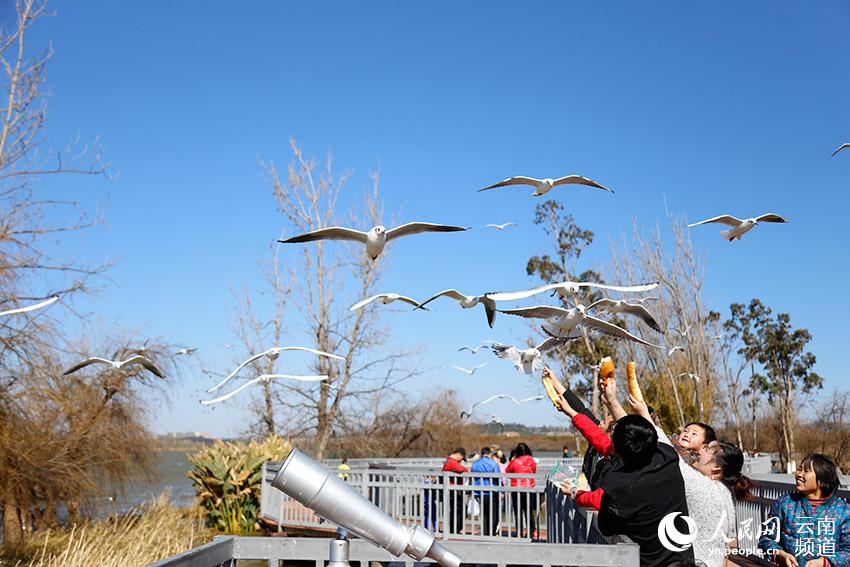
674	349
543	186
468	413
272	354
841	147
623	306
566	320
467	302
33	307
137	359
740	226
500	226
693	377
470	372
497	421
566	287
384	298
686	331
528	360
186	351
262	378
375	239
473	350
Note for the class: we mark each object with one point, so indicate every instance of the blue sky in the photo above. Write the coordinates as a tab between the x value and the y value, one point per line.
721	107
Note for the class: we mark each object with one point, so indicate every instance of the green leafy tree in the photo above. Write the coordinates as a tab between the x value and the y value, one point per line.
787	367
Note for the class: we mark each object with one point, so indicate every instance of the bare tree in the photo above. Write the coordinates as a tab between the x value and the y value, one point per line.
330	279
257	333
400	426
680	313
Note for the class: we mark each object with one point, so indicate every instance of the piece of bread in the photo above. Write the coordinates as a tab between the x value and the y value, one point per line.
606	370
634	387
550	388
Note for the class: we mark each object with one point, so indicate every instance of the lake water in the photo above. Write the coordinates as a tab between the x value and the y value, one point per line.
171	469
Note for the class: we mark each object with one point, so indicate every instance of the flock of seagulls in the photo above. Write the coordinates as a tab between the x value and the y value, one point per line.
272	354
560	324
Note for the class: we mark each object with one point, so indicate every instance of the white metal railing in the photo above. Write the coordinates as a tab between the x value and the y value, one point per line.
506	511
508	505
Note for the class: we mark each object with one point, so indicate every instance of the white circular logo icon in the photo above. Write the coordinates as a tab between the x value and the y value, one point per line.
671	538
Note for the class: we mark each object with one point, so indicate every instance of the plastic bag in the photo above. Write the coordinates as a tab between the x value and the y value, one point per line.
473	509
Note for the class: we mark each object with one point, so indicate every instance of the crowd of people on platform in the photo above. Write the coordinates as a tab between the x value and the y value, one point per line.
653	488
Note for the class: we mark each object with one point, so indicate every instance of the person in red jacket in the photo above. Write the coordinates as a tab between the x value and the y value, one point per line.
524	504
456	511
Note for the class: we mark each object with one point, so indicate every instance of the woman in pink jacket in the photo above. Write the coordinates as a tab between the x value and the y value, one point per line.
524	504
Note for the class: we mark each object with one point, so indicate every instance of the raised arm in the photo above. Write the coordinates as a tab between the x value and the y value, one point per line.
609	398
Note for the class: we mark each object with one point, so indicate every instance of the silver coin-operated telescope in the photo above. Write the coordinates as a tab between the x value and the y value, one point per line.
330	497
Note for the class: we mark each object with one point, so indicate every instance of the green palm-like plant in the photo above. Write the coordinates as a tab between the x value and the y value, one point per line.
227	478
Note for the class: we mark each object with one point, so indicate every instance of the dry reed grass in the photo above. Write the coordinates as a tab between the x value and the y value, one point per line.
147	534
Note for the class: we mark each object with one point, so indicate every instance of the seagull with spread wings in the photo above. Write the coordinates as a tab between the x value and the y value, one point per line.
500	226
528	360
468	371
841	147
263	378
468	413
467	302
118	364
495	419
566	320
384	298
567	287
543	186
674	349
32	307
475	349
629	308
272	354
186	351
740	226
375	239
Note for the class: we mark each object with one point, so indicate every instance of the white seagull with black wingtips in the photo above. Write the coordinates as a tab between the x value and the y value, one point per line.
740	227
375	239
543	186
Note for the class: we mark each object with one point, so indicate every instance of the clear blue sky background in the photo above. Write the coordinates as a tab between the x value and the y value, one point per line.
719	107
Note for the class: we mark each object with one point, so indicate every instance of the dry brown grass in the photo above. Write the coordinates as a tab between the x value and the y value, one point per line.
147	534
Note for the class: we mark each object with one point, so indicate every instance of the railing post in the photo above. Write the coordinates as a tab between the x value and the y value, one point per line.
445	480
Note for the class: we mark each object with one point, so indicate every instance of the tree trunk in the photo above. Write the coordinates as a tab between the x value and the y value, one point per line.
755	427
12	532
676	395
268	415
787	414
323	435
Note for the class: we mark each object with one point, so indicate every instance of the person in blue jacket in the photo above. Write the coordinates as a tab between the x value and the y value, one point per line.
812	525
489	500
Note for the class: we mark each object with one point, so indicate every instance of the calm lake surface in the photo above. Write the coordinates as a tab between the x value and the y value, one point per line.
171	469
